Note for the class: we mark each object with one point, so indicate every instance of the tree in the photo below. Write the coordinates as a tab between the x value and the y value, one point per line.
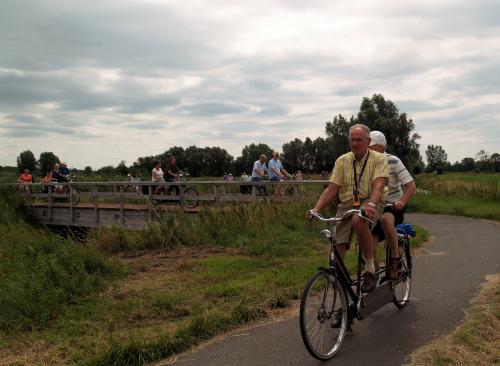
337	132
249	155
467	164
483	162
26	160
381	114
47	161
293	155
107	171
87	171
495	162
436	157
218	161
122	168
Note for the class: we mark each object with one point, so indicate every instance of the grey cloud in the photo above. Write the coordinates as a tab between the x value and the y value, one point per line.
264	84
36	87
408	106
25	125
213	109
272	110
106	34
152	125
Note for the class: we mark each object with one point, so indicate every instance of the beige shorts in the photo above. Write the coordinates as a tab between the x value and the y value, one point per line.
344	228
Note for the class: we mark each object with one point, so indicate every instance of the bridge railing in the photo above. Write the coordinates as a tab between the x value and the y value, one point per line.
207	191
132	204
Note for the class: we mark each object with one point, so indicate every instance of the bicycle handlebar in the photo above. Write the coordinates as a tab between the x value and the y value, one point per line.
354	211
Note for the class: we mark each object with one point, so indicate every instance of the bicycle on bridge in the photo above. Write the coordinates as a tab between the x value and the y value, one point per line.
191	201
332	299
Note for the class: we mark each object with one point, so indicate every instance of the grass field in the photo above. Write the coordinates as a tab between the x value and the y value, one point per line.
473	195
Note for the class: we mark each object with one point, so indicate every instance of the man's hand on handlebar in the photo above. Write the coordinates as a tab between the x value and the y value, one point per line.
399	205
370	211
310	214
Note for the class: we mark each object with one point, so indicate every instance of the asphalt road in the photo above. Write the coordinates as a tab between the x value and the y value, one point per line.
446	276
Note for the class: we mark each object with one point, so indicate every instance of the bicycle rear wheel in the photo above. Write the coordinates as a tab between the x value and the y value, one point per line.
402	287
323	303
191	202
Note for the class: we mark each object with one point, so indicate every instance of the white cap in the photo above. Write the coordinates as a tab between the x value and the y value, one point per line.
378	138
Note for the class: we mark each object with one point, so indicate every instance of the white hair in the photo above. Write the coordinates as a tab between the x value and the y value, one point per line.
363	127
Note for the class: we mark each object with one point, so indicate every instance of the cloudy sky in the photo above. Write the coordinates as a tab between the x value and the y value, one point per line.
100	81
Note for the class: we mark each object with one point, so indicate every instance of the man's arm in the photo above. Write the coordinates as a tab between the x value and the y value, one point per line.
377	191
328	195
409	188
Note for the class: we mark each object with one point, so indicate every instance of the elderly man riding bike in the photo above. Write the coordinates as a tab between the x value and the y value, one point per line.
359	178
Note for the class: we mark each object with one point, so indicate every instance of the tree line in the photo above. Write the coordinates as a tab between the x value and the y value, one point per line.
437	161
308	155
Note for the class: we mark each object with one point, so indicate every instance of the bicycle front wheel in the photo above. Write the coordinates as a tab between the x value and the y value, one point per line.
323	316
402	287
191	202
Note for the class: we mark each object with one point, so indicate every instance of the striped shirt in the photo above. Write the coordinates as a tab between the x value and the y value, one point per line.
343	174
398	177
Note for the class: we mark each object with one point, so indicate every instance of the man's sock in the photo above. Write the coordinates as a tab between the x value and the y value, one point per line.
370	265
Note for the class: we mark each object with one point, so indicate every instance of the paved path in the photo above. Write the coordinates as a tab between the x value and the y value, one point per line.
463	252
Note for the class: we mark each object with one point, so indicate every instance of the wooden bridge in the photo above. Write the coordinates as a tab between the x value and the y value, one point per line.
135	204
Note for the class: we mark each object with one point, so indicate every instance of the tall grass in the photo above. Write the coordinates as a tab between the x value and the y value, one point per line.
472	195
262	228
477	185
41	273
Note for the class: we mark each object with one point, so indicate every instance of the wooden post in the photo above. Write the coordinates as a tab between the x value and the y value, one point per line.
71	210
49	195
295	192
114	193
96	207
150	206
122	206
217	193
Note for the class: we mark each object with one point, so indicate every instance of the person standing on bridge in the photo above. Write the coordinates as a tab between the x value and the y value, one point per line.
399	180
359	178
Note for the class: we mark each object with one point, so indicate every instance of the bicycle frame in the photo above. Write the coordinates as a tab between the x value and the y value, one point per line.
337	266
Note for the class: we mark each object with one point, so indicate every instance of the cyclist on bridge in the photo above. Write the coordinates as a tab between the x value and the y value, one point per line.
399	180
359	178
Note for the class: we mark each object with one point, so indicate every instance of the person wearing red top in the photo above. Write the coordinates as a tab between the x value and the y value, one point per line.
25	177
24	180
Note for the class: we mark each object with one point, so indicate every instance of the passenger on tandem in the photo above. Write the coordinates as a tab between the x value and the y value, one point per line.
46	180
276	171
401	187
59	178
359	178
157	177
